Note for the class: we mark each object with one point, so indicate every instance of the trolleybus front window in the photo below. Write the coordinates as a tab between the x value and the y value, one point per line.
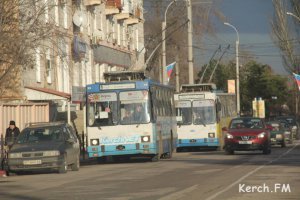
102	109
134	107
204	112
183	112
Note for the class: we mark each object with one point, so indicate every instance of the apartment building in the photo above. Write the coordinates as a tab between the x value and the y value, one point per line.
89	37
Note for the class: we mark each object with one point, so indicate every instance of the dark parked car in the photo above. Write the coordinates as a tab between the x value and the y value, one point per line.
278	133
42	146
293	125
246	134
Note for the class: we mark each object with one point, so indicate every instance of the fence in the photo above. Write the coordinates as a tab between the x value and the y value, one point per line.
22	114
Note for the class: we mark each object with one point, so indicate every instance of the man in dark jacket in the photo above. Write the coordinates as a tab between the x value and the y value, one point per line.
11	134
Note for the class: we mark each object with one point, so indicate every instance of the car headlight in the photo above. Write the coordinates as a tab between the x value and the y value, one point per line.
51	153
15	155
261	135
145	138
229	136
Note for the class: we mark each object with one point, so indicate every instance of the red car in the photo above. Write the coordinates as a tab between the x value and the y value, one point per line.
247	134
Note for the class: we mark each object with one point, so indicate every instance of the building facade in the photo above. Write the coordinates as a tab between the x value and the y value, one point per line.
89	37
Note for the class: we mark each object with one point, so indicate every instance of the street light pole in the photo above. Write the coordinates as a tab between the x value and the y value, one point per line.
238	106
190	42
164	25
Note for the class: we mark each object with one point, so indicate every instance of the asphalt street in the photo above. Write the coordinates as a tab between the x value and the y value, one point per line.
200	175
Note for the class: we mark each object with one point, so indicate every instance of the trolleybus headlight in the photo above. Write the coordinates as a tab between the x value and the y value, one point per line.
229	136
145	138
95	142
211	135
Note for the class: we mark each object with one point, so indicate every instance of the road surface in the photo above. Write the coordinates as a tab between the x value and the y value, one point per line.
188	175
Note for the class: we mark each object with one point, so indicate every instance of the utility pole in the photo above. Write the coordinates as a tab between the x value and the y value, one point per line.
190	42
177	72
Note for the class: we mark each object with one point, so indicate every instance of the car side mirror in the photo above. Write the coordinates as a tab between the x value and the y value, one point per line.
224	129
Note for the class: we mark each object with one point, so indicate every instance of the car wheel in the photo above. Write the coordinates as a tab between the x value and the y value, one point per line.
75	166
64	166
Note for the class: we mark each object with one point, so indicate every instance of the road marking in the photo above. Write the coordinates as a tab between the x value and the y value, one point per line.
180	194
248	174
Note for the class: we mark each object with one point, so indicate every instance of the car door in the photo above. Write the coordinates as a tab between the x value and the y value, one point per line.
68	145
75	144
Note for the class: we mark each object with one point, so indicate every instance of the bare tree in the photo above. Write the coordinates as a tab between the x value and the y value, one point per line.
176	31
25	25
284	35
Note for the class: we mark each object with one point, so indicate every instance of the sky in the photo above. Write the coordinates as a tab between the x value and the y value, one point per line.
252	20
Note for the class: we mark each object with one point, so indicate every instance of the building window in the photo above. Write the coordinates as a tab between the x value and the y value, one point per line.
124	36
38	65
83	73
56	16
65	11
89	23
48	66
137	39
46	11
66	70
119	34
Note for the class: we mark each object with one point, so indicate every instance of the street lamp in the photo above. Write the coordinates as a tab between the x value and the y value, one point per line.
238	107
164	25
292	14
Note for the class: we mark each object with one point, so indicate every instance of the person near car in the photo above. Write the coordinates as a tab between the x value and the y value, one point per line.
11	134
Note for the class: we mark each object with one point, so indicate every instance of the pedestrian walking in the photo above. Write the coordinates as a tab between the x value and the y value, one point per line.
11	134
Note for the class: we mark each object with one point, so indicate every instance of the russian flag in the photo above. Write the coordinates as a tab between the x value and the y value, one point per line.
297	78
170	69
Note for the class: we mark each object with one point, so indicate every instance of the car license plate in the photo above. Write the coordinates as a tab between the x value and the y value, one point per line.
245	142
32	162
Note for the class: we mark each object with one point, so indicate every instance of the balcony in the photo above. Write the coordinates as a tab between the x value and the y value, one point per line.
113	7
92	2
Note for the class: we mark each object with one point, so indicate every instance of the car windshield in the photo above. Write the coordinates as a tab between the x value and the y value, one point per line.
41	134
290	120
247	123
